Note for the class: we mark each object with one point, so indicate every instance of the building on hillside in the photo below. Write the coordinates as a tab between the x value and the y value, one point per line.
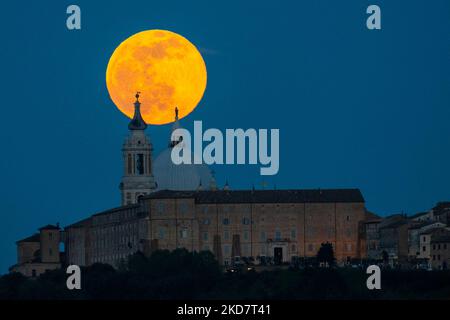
441	212
182	207
414	242
372	236
440	251
394	238
426	237
426	216
39	252
280	224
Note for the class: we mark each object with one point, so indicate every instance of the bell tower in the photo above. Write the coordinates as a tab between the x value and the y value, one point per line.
137	179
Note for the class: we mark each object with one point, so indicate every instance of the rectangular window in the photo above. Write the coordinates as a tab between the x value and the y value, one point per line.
278	235
263	236
246	236
349	247
184	233
50	252
160	207
226	249
162	233
205	236
293	234
226	235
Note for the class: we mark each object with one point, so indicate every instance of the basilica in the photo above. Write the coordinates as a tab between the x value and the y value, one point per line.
168	206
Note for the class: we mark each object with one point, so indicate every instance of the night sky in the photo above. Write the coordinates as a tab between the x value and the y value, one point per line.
355	108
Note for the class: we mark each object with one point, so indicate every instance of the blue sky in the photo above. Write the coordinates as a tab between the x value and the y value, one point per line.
355	108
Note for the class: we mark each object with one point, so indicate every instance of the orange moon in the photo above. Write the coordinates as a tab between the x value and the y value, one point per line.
164	67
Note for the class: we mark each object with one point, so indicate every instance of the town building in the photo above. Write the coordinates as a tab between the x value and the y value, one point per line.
440	250
39	252
372	236
394	238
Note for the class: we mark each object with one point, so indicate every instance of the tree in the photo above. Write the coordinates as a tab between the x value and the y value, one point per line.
325	254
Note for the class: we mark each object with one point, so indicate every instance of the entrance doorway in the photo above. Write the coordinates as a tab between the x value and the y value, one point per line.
277	255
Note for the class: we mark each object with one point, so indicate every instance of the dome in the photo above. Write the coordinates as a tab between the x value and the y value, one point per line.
179	177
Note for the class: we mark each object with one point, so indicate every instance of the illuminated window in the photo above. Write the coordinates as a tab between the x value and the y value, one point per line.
184	233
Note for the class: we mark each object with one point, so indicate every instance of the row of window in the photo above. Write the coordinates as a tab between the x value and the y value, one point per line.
246	249
184	234
444	246
141	162
125	228
122	242
183	208
109	258
114	217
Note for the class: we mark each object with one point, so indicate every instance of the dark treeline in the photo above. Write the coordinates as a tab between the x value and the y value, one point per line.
184	275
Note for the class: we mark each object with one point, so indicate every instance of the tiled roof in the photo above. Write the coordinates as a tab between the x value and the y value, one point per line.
117	209
80	223
371	217
50	227
264	196
34	238
419	214
442	207
393	224
441	238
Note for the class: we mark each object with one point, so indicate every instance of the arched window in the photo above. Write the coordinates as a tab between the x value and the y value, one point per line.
140	164
129	164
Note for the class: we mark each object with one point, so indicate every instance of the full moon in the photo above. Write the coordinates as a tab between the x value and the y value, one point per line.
164	67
